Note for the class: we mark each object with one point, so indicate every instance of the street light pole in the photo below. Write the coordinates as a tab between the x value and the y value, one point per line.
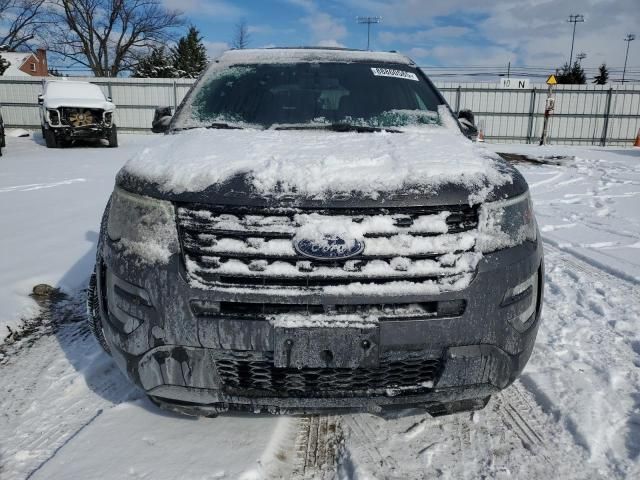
368	21
575	19
630	38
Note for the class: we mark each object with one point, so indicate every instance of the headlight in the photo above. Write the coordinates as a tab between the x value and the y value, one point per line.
54	117
142	226
506	223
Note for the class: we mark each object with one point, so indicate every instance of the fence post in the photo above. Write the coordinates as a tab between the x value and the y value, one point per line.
109	88
458	99
532	106
175	97
607	113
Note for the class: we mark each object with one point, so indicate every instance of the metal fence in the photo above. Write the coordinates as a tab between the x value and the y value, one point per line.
584	114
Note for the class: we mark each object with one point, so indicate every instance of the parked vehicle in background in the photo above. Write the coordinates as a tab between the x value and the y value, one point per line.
72	110
2	136
316	231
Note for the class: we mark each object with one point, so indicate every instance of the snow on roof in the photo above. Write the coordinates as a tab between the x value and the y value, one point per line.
16	59
317	162
288	55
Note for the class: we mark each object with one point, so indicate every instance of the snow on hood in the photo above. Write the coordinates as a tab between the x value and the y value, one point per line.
315	162
79	102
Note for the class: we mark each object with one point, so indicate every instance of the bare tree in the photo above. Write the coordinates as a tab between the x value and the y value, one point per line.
20	21
106	36
241	36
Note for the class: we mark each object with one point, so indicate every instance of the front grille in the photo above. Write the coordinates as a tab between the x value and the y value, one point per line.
253	375
81	117
241	246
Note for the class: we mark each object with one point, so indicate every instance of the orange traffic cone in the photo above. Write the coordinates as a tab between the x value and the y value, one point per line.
637	142
480	138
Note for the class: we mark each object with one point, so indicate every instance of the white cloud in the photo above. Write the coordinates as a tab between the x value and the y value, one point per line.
215	49
325	30
329	43
533	32
217	8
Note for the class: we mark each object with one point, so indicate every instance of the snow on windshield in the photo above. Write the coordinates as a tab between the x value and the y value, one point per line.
266	95
316	163
74	90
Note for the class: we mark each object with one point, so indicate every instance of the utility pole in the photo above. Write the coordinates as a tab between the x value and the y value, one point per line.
368	21
630	38
509	69
575	19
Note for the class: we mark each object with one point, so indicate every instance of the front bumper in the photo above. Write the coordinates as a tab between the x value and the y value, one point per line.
98	131
176	355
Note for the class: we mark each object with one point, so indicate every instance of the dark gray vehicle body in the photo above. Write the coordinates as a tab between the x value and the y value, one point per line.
2	136
205	350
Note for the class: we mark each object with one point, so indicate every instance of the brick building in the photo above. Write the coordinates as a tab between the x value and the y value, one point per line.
26	63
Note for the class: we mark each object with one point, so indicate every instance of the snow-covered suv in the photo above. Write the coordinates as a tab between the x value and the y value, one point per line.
73	110
315	232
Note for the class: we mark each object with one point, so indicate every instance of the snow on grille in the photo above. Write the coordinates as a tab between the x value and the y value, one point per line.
404	247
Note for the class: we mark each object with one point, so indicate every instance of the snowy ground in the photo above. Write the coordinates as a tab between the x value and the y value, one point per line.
67	412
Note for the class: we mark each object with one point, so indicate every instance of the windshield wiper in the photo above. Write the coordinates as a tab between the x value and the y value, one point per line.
339	127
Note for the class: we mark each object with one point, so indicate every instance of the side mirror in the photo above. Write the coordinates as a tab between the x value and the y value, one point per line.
40	99
467	123
109	99
161	120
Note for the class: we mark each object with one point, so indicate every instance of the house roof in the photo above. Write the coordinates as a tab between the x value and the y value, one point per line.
16	59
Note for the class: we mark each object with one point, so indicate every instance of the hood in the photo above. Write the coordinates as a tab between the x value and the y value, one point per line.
426	166
79	103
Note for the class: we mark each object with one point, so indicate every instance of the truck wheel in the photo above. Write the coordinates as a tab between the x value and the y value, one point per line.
93	313
50	139
113	137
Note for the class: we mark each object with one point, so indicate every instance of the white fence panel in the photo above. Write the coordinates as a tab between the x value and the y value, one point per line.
584	114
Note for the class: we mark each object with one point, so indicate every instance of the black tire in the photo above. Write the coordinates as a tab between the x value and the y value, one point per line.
113	137
50	139
93	313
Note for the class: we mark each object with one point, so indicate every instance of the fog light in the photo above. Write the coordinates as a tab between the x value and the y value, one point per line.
522	301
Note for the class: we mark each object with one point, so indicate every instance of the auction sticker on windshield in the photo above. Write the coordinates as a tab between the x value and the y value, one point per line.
391	72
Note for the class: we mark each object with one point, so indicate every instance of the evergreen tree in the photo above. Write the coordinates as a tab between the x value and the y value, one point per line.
4	64
190	55
603	75
157	64
573	75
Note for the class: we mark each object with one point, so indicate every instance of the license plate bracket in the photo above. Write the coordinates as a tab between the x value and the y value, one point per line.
320	347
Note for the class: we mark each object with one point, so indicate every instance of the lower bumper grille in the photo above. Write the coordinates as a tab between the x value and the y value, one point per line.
258	377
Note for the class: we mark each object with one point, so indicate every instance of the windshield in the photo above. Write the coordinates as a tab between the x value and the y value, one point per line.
310	94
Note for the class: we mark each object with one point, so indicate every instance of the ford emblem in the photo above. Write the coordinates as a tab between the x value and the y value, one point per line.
330	247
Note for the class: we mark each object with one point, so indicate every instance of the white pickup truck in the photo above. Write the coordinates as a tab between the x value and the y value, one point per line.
72	110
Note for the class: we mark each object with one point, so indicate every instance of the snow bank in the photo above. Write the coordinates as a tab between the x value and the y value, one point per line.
317	162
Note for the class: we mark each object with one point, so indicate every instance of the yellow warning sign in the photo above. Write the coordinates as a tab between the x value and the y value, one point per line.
552	80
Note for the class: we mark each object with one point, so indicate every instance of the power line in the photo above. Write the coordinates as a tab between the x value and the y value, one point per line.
368	21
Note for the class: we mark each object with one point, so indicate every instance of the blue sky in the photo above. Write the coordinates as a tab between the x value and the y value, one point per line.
435	33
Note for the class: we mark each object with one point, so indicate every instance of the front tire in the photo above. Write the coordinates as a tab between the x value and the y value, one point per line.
93	313
113	137
50	139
